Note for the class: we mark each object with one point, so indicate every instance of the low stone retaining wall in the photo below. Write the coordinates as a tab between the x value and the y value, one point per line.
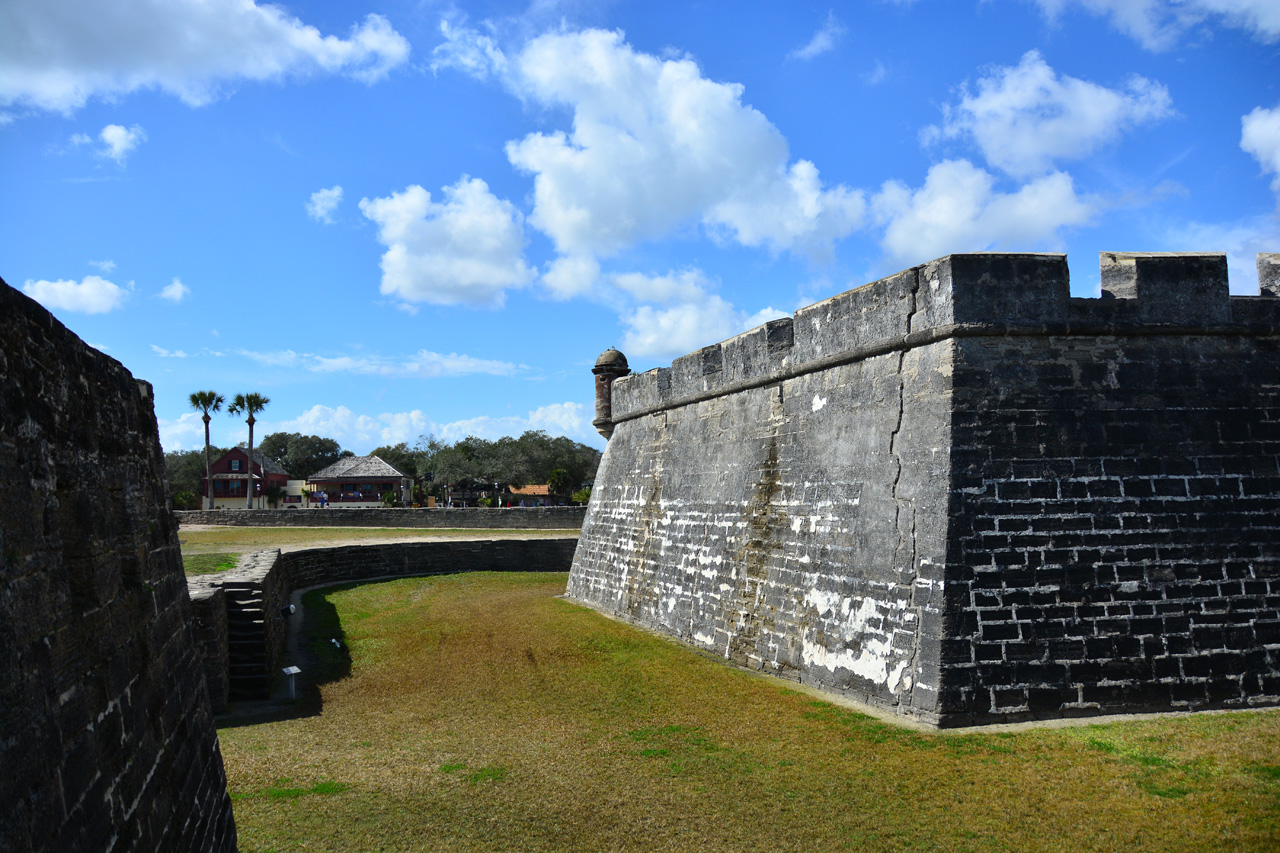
522	517
244	642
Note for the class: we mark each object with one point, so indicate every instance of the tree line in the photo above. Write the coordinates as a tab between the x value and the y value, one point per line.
469	463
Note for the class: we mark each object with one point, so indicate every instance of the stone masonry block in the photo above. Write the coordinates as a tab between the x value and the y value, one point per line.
1169	286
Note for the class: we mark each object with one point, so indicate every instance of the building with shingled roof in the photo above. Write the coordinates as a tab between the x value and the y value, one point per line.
359	481
231	476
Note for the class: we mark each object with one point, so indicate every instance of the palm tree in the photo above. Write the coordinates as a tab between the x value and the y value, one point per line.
249	404
206	402
558	482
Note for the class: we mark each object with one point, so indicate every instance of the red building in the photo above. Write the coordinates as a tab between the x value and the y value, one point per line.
231	476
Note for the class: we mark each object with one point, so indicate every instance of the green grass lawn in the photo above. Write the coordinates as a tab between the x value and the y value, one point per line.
208	563
480	712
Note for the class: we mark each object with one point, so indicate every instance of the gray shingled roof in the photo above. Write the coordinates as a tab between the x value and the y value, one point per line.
358	468
269	466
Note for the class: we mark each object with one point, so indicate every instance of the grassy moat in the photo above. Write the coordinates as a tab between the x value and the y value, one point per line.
481	712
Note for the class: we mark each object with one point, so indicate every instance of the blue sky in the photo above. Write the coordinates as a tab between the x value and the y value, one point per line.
396	218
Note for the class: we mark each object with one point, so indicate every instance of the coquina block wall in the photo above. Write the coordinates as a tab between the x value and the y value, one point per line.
960	494
506	518
243	635
106	738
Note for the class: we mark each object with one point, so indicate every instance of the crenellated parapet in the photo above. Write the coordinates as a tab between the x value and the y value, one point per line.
964	496
965	296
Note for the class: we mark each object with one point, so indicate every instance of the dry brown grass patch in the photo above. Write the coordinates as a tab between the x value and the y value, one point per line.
483	713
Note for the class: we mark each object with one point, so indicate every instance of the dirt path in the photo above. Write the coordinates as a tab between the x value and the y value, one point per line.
211	538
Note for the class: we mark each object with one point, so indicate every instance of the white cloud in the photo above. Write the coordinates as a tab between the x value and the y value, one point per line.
349	429
91	295
103	266
690	317
560	419
323	203
361	433
685	286
468	51
119	141
175	291
1158	24
1262	17
823	40
184	433
467	249
421	365
958	210
763	316
1024	118
568	419
635	116
164	353
567	277
1260	137
680	328
57	54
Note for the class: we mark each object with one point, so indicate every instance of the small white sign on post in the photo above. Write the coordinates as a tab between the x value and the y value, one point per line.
291	671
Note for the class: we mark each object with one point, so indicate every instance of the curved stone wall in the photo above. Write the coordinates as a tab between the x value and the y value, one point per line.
464	518
241	658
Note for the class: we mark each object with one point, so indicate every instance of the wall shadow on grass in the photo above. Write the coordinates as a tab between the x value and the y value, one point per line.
321	644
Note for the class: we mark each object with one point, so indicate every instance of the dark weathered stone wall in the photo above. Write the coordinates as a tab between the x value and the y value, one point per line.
263	583
523	518
106	739
209	621
1115	550
962	494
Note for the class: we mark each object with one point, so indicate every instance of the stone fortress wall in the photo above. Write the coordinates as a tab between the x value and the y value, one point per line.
960	494
106	738
238	612
466	518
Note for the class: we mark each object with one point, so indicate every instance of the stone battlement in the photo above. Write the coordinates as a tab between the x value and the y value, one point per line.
964	296
960	494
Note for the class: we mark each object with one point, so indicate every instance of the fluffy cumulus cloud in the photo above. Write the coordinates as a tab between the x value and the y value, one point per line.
1260	137
184	433
323	203
1158	24
636	117
354	430
959	210
467	248
823	41
568	419
118	141
681	315
569	276
423	364
175	291
57	54
1026	117
91	295
361	433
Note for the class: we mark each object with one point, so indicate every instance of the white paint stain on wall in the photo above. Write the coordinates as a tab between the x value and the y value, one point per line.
818	402
872	655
